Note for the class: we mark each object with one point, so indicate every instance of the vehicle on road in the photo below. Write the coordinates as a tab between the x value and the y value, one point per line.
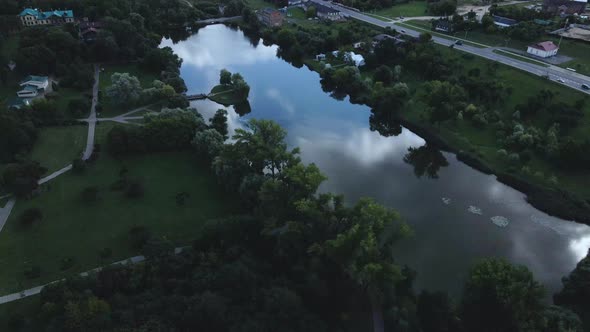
458	42
560	80
585	86
401	17
403	31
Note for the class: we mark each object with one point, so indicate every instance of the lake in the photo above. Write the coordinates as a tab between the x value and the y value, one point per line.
458	214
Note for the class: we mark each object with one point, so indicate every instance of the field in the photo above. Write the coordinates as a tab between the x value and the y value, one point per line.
77	229
56	147
145	78
410	9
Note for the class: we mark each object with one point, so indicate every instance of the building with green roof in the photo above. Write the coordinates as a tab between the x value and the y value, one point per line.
32	17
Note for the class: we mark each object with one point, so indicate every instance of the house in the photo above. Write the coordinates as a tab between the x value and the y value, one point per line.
89	30
270	17
544	49
32	86
566	7
32	17
324	12
351	57
443	25
320	57
504	22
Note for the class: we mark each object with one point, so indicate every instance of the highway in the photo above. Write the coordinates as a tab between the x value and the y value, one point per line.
570	79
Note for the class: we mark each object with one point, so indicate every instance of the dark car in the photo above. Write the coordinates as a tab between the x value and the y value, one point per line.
585	87
458	42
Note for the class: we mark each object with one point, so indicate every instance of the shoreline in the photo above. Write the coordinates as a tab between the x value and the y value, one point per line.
556	203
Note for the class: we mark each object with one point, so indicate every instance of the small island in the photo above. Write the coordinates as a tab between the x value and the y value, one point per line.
232	89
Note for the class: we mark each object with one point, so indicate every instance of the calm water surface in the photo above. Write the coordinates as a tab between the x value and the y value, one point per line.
359	162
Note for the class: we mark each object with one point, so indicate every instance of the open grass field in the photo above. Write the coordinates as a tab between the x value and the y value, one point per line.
145	78
410	9
73	228
56	147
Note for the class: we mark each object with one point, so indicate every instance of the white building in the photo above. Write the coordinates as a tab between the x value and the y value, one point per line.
32	86
351	57
32	17
544	49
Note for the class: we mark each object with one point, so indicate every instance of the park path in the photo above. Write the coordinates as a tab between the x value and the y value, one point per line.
7	209
37	289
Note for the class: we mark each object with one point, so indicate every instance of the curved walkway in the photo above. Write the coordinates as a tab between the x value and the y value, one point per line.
7	209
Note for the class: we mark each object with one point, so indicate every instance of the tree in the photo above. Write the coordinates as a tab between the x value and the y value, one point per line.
124	90
22	179
311	12
30	216
575	294
219	122
225	77
426	159
383	74
425	37
89	194
501	297
135	189
444	100
208	142
436	313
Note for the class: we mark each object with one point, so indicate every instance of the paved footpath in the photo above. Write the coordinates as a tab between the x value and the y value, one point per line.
36	290
5	211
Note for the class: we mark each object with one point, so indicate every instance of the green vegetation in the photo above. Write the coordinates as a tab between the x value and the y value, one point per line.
56	147
108	107
224	95
259	4
232	89
74	228
410	9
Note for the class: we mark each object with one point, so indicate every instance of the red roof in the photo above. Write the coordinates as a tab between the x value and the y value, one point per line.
545	46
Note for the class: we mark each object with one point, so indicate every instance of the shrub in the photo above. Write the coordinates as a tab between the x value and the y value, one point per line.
105	253
139	236
90	194
503	154
514	158
135	189
66	263
30	215
33	272
78	165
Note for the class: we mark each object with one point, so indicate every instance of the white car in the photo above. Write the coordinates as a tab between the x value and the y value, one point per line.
560	80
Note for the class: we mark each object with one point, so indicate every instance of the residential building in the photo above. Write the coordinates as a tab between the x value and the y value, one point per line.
503	22
324	12
320	57
566	7
270	17
89	30
443	25
352	58
544	49
18	103
32	17
32	86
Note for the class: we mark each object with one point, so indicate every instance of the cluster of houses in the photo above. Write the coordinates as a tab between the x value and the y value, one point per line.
35	17
358	60
276	17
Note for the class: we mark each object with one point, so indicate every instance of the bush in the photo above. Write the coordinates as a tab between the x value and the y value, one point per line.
90	194
30	216
514	158
78	165
78	107
105	253
33	272
66	263
135	189
139	236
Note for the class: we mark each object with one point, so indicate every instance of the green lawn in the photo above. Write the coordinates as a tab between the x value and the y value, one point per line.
258	4
297	13
9	46
225	95
145	78
56	147
77	229
410	9
22	308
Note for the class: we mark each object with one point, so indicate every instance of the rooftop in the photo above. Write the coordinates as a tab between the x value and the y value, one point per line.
544	46
45	15
33	78
504	20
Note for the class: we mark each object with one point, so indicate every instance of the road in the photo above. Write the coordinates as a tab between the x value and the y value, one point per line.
571	79
92	118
